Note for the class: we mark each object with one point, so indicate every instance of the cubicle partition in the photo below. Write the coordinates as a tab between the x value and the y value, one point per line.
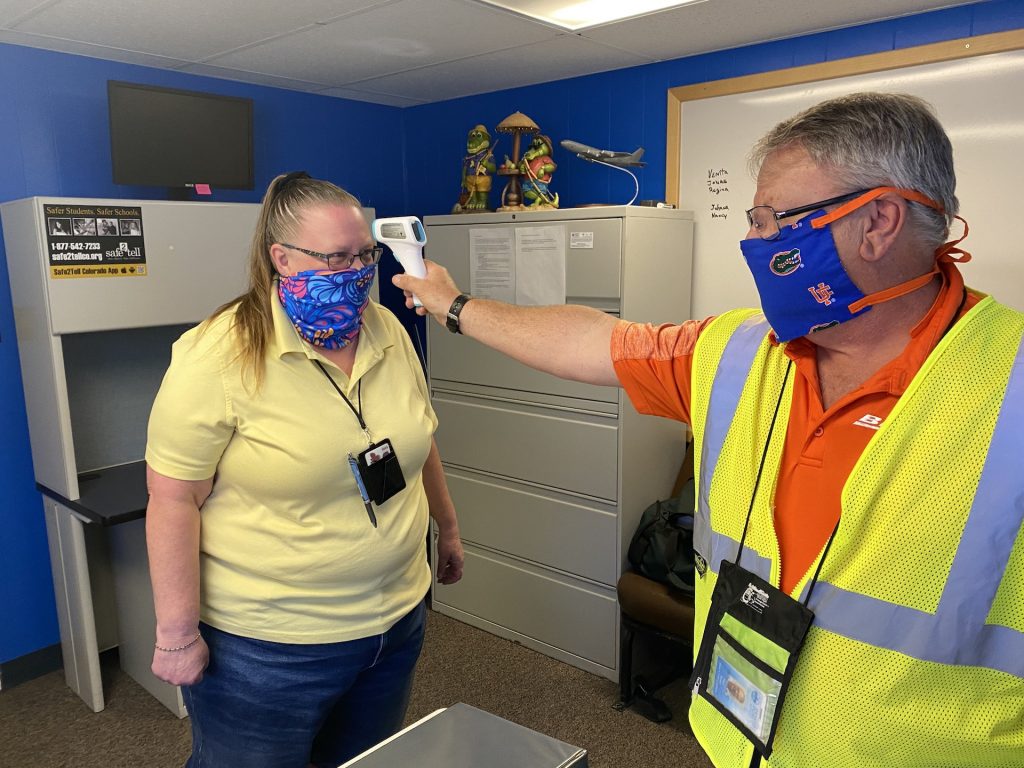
101	289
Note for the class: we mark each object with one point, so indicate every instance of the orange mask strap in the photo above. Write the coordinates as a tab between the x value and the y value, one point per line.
944	253
894	292
867	197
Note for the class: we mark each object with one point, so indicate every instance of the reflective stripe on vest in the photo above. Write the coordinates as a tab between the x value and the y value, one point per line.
956	633
730	378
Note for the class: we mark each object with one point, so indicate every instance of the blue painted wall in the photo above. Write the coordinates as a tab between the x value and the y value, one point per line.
55	141
627	108
53	130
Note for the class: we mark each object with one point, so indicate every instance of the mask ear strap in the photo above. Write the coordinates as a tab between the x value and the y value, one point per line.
867	197
946	251
895	291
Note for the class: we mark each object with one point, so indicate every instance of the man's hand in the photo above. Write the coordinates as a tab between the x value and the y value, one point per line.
436	291
181	667
566	340
450	557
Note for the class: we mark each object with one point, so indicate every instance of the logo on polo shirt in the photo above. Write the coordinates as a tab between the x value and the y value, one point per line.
868	421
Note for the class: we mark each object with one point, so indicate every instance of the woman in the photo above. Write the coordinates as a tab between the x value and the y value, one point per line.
288	566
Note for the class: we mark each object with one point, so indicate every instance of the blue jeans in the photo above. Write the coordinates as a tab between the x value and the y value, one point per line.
284	705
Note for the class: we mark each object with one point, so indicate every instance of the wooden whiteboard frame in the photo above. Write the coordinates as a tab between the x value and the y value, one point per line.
948	50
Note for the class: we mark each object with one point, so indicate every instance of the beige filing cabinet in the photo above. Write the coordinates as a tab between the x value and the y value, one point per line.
549	477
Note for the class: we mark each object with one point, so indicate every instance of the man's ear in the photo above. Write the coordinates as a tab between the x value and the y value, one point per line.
887	218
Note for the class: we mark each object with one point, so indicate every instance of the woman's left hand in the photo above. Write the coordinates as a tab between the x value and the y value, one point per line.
449	557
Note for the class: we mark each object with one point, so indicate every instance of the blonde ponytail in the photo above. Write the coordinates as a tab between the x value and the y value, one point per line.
287	198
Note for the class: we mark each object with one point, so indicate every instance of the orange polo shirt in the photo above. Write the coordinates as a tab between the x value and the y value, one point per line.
654	366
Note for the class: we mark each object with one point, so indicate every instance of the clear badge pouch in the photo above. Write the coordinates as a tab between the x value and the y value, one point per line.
751	642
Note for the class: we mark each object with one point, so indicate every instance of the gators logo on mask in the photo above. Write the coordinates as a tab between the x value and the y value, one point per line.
786	262
822	326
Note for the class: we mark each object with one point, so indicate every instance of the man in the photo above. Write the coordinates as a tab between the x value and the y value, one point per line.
858	456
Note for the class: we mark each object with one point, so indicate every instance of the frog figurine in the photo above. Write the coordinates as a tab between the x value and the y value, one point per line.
536	168
477	166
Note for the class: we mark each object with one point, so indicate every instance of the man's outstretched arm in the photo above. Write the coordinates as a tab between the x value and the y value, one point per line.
568	341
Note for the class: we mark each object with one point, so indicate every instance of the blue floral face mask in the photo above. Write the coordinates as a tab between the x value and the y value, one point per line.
326	307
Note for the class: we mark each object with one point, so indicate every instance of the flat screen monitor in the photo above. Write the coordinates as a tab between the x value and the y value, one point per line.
170	138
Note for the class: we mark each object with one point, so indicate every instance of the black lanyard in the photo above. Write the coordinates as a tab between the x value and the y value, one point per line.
358	412
764	455
757	483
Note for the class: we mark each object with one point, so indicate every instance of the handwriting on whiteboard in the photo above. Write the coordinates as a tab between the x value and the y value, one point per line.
718	181
718	184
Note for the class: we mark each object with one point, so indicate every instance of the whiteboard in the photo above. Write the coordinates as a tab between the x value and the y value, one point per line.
977	99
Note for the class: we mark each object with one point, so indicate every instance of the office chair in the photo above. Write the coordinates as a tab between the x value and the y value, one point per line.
654	609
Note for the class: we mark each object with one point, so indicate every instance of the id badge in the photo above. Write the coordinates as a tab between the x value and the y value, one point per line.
752	638
381	472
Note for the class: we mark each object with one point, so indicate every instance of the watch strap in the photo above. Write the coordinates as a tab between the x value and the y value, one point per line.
452	322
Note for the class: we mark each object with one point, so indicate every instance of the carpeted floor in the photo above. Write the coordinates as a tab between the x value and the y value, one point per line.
44	725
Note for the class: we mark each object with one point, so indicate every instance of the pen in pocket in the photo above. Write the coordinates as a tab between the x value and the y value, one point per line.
362	489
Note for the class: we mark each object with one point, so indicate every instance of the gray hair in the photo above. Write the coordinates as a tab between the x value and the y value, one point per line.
873	140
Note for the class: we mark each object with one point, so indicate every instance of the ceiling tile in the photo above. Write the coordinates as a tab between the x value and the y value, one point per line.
190	30
721	24
390	38
566	56
11	10
251	77
16	37
372	97
404	52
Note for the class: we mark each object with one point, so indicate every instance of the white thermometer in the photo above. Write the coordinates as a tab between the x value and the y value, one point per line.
405	236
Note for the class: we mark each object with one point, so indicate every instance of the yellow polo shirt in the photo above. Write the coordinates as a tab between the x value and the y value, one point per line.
287	551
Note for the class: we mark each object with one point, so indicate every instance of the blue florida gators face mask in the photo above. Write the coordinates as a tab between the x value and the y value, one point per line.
802	283
326	307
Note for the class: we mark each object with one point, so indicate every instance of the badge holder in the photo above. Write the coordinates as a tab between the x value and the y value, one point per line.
381	473
749	650
376	470
752	639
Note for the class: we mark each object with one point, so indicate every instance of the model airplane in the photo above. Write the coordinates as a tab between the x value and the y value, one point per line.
607	156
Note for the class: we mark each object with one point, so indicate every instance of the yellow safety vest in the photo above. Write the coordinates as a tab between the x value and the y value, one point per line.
916	655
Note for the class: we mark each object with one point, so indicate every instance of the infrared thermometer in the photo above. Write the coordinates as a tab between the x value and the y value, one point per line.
405	236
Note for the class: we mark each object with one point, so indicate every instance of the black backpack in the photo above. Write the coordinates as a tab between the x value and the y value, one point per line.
662	547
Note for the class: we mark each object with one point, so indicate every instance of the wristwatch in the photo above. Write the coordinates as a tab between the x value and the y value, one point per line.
452	323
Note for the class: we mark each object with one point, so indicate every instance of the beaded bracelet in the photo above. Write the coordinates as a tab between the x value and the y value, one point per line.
189	644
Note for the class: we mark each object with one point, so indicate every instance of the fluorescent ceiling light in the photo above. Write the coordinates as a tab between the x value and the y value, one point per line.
575	15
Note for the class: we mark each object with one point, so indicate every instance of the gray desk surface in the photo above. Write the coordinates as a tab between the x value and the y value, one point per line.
108	496
462	736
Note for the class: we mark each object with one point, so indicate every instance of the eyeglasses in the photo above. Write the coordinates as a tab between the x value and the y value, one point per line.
764	219
339	261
